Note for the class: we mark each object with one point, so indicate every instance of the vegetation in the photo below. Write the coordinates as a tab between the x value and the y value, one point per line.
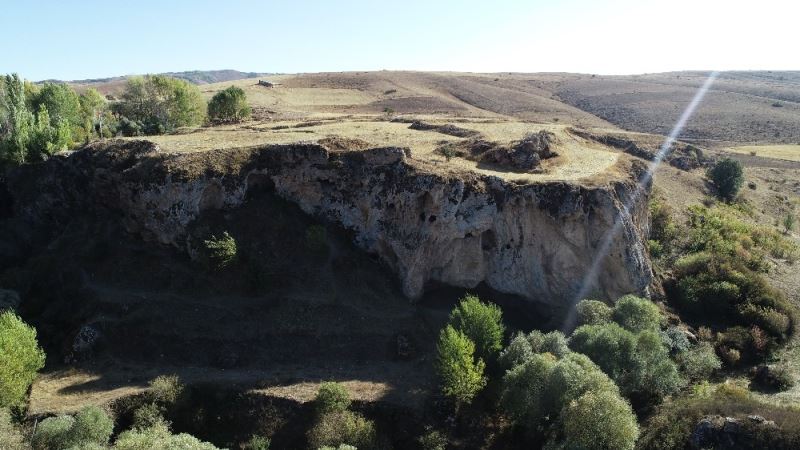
11	436
482	323
336	425
229	106
460	372
593	312
332	397
158	437
221	252
727	176
20	359
158	104
91	426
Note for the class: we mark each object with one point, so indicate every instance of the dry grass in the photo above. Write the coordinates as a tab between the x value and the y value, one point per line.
788	152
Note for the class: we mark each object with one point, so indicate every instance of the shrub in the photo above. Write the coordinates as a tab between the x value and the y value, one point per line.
148	415
593	312
599	419
257	442
571	377
229	105
517	352
433	440
675	339
161	103
331	397
343	427
166	389
20	358
53	433
221	252
772	378
91	426
11	438
158	437
662	227
699	362
553	342
636	314
788	222
655	248
460	373
727	176
639	363
482	323
522	392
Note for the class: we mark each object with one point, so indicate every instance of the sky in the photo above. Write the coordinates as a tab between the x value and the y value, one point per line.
71	40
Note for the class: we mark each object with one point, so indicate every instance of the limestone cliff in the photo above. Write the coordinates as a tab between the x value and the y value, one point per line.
535	240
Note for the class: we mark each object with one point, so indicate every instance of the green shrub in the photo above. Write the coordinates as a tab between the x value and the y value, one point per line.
11	438
20	359
571	377
148	415
699	362
331	397
433	440
593	312
772	378
662	227
221	252
655	248
90	427
257	442
166	389
341	447
159	437
482	323
161	103
675	339
54	433
229	105
343	427
638	362
636	314
522	393
460	373
517	352
599	419
727	177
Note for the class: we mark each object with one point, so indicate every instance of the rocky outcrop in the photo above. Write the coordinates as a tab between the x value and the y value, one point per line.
535	240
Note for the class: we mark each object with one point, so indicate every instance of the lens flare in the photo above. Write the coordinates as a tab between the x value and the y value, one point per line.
590	278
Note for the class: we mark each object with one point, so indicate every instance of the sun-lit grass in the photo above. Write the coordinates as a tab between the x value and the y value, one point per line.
790	152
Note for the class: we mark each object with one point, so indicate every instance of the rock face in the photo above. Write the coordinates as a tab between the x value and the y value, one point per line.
536	240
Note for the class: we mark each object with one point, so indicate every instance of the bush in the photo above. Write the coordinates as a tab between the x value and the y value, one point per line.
662	228
571	377
221	252
161	103
593	312
675	339
433	440
699	362
522	392
90	427
460	373
482	323
229	105
11	438
599	419
343	427
727	176
54	433
166	389
159	437
639	363
772	378
257	442
148	415
332	397
553	342
636	314
517	352
20	359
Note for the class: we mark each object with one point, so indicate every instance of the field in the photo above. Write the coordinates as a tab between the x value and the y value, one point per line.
787	152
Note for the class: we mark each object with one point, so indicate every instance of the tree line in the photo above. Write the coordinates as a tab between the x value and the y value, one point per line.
40	120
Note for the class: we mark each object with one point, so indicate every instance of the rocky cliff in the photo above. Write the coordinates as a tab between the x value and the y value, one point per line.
535	240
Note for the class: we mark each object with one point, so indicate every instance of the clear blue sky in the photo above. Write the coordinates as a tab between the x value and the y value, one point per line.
92	39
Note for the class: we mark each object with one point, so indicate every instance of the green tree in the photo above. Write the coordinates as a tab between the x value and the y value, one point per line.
16	121
727	176
331	397
93	109
599	420
482	323
636	314
229	105
461	374
592	312
20	358
159	437
343	427
162	103
523	388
